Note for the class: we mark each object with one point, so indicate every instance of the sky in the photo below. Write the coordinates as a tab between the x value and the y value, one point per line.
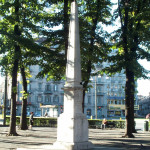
144	85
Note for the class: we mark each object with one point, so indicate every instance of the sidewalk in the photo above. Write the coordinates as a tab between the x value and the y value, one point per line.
42	138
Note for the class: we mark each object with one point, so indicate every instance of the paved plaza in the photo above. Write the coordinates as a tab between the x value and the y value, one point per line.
42	138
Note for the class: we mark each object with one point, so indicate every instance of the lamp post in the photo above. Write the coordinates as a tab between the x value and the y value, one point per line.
5	99
95	97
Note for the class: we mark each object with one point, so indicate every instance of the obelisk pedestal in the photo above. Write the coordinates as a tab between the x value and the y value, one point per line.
72	130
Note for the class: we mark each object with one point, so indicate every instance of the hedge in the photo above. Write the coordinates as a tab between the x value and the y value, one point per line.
52	122
38	121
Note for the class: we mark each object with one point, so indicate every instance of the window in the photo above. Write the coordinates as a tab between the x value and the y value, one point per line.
123	101
108	93
47	99
29	98
89	100
99	100
89	90
108	86
108	101
112	93
112	102
120	94
99	88
48	87
112	86
40	86
39	98
28	87
56	99
62	99
99	79
88	112
55	87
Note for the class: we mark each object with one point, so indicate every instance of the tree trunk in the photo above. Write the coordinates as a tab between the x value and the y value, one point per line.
23	121
128	106
12	130
132	101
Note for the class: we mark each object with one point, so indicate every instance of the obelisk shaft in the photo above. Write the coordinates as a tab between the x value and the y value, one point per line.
73	68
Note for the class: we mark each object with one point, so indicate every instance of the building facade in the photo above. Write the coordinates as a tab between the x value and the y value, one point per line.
104	99
144	105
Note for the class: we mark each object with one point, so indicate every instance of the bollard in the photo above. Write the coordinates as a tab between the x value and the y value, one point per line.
145	125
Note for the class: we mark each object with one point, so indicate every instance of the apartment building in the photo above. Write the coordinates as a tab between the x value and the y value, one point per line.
104	99
144	105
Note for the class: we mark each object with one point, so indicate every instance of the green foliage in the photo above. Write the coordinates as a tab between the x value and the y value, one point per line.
45	122
97	123
132	38
24	95
14	89
30	19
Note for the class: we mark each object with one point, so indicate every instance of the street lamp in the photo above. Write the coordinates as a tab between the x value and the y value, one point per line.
95	97
5	98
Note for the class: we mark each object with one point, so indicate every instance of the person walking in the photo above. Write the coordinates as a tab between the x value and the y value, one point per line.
104	122
31	120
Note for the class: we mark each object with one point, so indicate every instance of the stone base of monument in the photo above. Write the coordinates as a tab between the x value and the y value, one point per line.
72	133
72	146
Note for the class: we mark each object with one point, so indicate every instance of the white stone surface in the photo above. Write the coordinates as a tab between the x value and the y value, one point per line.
73	68
72	130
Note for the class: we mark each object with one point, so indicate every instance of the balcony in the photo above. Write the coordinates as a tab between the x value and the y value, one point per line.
48	92
99	82
61	92
100	93
47	103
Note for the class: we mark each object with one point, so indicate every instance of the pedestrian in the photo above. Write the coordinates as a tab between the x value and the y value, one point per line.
148	116
45	115
31	120
104	122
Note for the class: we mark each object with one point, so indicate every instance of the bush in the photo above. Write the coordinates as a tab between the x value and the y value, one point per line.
97	123
38	121
52	122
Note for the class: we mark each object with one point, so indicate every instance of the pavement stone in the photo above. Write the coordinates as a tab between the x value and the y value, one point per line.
42	138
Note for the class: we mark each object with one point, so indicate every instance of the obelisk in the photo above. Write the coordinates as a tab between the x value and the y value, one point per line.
72	130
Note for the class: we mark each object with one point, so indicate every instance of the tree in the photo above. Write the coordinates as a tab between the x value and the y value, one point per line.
92	38
19	22
132	43
17	51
